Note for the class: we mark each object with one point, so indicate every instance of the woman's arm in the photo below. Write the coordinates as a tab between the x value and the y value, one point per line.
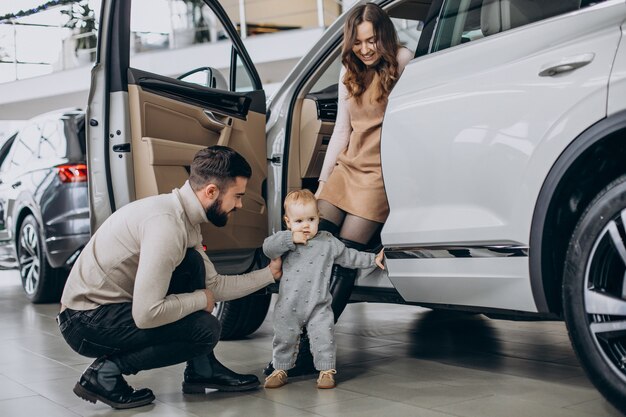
404	56
341	133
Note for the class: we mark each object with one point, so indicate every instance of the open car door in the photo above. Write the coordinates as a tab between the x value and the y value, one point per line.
150	113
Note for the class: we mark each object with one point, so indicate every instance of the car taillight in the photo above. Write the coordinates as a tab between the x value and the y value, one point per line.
72	173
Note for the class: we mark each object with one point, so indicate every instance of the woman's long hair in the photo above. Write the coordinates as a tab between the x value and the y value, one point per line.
356	78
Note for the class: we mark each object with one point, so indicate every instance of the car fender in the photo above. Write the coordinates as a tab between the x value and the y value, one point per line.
544	288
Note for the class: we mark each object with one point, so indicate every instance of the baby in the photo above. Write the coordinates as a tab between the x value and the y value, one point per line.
304	299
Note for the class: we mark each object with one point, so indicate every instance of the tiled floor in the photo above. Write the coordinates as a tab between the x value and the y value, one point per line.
393	361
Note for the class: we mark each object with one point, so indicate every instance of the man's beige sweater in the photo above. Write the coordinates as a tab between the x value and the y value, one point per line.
133	254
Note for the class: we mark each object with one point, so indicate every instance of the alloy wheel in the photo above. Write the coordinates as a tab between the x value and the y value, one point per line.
29	259
605	293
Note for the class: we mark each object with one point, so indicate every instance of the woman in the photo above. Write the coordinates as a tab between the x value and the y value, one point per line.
351	195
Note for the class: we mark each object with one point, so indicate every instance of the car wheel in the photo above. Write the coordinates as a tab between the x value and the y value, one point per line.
40	281
594	292
242	317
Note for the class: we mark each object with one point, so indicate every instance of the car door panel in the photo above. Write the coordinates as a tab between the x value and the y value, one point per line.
151	126
473	180
171	120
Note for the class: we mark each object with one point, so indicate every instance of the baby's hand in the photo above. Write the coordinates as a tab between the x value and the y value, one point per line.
299	237
379	259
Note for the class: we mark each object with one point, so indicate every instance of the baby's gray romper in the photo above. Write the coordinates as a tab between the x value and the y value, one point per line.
304	299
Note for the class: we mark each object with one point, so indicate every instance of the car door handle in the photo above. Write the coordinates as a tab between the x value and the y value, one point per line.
16	184
213	120
566	65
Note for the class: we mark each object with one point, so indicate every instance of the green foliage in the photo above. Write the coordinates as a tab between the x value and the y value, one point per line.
81	19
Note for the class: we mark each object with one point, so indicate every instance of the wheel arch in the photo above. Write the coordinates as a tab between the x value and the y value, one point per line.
24	212
586	166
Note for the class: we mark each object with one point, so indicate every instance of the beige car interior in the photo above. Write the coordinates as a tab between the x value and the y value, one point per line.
167	133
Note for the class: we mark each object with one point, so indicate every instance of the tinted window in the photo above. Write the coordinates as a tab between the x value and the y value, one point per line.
463	21
4	152
52	142
26	147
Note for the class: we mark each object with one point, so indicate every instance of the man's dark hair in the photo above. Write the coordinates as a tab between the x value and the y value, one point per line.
217	165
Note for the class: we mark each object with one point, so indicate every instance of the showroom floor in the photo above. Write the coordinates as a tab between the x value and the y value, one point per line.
393	361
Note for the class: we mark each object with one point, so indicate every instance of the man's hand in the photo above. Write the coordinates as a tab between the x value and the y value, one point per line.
379	259
299	237
210	300
276	268
320	185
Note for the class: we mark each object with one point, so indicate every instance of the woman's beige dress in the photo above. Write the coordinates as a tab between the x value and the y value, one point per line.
352	169
356	184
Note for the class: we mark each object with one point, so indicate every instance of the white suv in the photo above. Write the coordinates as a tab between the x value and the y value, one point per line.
503	153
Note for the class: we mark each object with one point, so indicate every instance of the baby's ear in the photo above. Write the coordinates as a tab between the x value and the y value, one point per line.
286	220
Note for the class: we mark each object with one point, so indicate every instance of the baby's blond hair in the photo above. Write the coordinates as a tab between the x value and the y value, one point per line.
299	197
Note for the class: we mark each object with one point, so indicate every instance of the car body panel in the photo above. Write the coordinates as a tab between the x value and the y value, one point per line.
474	180
617	90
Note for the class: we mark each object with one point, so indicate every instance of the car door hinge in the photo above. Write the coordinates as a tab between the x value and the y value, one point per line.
275	159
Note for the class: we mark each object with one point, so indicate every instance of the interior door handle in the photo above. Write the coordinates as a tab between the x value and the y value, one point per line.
16	184
214	120
566	65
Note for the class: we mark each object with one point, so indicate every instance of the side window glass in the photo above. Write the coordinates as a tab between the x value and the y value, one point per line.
243	81
463	21
26	147
51	142
329	77
409	31
181	24
5	152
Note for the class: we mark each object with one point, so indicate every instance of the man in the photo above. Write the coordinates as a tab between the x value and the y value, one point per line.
141	293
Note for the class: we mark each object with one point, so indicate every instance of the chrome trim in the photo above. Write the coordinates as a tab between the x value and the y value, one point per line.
492	251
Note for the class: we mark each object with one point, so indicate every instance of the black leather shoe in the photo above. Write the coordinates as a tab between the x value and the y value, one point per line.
122	395
222	379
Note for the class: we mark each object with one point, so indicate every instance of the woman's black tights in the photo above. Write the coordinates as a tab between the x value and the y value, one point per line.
349	226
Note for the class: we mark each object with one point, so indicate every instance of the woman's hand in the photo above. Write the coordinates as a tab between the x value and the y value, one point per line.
320	185
276	268
379	259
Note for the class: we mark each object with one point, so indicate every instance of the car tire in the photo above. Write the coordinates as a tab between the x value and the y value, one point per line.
242	317
594	283
40	281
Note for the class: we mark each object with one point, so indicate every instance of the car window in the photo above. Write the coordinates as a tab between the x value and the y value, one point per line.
52	143
25	148
172	25
463	21
4	153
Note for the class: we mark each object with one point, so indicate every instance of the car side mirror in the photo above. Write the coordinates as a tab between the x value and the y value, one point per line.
206	77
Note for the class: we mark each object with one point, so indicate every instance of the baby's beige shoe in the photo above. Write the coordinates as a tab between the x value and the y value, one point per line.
277	379
326	379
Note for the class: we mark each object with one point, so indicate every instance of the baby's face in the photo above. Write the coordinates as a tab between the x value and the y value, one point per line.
303	218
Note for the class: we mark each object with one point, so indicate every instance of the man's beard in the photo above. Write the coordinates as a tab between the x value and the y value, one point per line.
216	215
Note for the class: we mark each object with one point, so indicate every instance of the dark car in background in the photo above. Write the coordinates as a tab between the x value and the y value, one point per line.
44	208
